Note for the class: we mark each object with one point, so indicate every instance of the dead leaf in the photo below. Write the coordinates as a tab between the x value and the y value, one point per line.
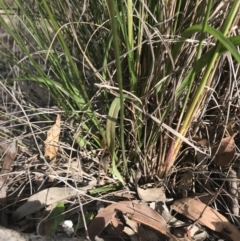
172	221
138	212
200	141
191	232
225	151
45	198
51	143
155	194
133	236
131	223
10	155
197	211
8	159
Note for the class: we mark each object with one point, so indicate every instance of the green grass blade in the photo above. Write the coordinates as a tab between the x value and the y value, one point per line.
197	97
111	133
111	124
112	9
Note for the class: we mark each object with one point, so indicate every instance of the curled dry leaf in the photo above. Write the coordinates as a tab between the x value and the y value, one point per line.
197	211
224	151
51	143
138	212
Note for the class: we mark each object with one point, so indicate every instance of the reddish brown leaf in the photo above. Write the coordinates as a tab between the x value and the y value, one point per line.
197	211
225	151
137	212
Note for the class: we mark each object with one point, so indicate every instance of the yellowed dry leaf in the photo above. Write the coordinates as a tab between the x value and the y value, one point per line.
51	143
225	151
197	211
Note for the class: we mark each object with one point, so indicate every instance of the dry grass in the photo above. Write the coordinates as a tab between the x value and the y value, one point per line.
28	111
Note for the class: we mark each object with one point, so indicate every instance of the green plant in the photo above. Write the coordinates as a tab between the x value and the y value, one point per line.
125	57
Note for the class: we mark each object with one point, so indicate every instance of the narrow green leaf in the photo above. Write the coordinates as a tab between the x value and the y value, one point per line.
204	60
111	123
111	132
55	218
228	43
108	188
113	10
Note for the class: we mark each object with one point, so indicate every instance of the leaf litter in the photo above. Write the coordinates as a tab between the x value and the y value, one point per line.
209	217
224	152
45	195
45	198
139	213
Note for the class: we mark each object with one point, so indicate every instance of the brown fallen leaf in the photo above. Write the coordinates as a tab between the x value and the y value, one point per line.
155	194
51	143
197	211
138	212
45	198
224	151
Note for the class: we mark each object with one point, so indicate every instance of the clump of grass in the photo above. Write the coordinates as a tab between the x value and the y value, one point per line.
138	77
